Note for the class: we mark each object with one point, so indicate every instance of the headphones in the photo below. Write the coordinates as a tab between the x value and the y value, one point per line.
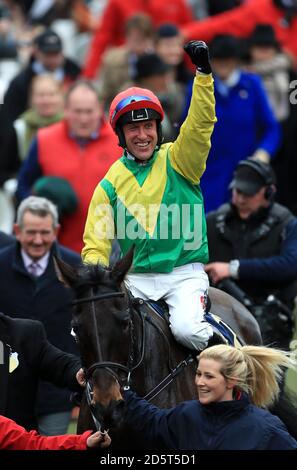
264	170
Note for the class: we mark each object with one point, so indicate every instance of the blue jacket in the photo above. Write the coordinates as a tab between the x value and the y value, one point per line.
245	123
281	268
229	425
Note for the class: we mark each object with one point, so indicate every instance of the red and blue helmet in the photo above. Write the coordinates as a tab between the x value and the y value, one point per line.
133	105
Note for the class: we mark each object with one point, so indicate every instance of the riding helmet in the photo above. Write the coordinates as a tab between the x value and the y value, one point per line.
133	105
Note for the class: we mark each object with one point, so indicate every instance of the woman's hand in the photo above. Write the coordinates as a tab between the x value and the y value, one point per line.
98	439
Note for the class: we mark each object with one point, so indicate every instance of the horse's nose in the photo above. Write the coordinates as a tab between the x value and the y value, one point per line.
111	416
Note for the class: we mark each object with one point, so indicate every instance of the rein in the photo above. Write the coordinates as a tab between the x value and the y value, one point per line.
97	297
109	366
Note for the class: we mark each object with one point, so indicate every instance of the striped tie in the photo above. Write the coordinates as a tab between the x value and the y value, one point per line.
33	269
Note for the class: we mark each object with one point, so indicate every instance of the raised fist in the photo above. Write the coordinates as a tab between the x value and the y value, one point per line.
198	53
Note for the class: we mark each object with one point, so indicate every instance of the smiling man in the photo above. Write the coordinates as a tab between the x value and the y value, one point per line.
151	199
36	235
29	288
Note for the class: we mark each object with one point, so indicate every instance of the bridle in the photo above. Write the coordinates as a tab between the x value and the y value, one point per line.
110	366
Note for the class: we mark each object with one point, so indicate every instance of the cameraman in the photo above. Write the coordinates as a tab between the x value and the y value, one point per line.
253	240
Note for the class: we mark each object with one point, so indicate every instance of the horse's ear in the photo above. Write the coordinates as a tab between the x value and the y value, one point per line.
122	266
65	273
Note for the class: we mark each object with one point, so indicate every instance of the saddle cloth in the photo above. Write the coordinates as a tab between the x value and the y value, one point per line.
161	309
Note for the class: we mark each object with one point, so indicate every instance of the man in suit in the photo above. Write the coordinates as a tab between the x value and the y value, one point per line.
29	288
5	240
25	356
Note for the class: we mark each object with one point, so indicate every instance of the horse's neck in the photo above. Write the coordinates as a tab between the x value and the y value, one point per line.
161	355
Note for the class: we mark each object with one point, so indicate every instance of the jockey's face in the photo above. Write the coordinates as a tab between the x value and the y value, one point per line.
211	384
36	234
141	138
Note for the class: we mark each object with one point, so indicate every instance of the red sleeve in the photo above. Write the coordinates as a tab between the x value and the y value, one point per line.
107	33
239	21
111	27
15	437
186	14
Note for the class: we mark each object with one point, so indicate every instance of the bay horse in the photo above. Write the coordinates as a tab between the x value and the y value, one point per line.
123	339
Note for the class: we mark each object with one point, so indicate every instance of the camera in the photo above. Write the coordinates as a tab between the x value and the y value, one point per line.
275	318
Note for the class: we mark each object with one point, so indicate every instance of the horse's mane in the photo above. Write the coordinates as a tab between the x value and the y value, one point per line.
91	275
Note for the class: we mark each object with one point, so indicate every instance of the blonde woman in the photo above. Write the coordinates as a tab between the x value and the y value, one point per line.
234	387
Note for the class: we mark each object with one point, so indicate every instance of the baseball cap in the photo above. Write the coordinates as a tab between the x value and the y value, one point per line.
167	30
248	179
48	42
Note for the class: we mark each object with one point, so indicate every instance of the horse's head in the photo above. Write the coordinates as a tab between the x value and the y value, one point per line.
102	323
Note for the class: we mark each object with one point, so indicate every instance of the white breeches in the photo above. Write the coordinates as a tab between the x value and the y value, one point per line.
184	290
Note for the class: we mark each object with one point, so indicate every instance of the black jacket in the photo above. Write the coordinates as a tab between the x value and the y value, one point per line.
6	240
224	425
16	99
37	359
45	299
265	244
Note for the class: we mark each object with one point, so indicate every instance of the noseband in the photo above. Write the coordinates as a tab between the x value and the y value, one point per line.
108	366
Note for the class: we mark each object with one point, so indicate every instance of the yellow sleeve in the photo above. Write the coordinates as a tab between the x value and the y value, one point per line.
189	152
99	230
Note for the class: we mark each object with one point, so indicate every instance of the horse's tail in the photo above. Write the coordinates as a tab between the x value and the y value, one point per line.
286	409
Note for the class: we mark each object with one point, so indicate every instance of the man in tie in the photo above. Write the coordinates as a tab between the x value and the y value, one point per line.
34	292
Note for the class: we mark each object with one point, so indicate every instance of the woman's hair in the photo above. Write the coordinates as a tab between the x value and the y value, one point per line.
255	369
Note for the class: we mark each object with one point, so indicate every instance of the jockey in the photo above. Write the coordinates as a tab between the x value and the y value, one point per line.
151	198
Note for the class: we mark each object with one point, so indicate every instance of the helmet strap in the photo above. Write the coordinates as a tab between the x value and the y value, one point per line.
121	136
159	133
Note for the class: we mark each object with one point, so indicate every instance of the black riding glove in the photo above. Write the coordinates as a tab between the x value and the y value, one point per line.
198	53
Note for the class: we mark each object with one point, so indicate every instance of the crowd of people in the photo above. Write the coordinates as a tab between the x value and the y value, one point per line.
172	132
